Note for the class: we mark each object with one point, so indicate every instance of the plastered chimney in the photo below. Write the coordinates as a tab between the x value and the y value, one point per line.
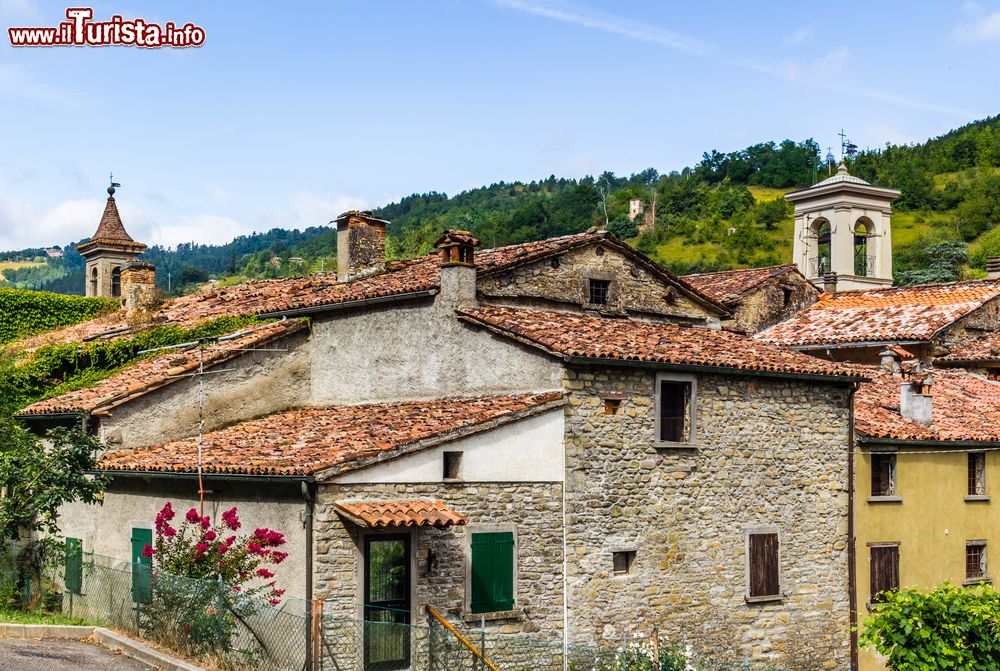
993	268
830	283
458	269
360	245
915	401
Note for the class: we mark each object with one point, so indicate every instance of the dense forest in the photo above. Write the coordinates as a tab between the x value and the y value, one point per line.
727	211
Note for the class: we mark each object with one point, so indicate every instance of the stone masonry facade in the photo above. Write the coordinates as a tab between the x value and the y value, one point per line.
562	281
532	510
769	304
768	453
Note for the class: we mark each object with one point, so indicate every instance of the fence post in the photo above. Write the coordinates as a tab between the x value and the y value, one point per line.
431	645
316	623
624	652
482	642
220	605
656	649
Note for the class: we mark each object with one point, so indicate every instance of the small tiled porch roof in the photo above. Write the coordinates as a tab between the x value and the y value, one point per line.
728	286
409	513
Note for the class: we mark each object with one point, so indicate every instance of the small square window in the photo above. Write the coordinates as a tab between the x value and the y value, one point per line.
786	296
883	475
975	560
452	465
622	562
599	291
977	474
612	406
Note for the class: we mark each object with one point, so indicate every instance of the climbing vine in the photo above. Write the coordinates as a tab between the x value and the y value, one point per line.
56	369
25	313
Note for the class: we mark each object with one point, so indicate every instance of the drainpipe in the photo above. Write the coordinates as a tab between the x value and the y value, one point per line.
308	494
852	578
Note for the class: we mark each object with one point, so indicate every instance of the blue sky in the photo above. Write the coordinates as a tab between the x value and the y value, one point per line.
286	117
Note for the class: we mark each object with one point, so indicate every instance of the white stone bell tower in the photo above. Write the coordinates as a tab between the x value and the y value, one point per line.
842	226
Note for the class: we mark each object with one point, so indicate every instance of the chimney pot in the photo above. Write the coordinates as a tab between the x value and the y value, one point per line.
458	269
360	245
890	360
993	268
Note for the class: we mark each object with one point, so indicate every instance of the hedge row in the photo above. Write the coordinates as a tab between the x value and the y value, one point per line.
24	313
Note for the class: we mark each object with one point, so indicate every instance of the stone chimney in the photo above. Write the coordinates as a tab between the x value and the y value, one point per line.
915	401
139	287
360	245
993	268
458	269
890	360
830	283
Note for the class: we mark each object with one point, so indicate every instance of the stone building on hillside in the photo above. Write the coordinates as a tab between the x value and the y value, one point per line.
757	297
557	437
108	250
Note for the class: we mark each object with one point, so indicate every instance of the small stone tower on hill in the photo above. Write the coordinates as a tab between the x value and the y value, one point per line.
843	233
110	248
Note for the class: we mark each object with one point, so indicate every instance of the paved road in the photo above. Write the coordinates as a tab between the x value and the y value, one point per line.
56	655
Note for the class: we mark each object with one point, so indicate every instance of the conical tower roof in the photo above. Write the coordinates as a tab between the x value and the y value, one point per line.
111	230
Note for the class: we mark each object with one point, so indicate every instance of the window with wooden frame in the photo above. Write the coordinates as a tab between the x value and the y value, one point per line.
675	408
598	291
622	562
883	474
975	561
763	565
883	569
492	570
977	474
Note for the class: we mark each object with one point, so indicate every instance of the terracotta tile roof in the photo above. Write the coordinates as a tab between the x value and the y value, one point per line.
147	375
577	335
963	407
111	230
308	440
984	348
727	286
285	294
417	513
915	313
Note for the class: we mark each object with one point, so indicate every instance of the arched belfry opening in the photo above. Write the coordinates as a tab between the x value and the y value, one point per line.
842	226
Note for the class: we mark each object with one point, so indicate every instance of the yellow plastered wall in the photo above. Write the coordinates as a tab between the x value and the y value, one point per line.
931	522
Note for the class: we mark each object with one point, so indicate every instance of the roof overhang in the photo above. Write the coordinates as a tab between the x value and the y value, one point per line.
363	302
374	514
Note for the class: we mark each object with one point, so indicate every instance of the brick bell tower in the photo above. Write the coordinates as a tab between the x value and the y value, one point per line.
110	248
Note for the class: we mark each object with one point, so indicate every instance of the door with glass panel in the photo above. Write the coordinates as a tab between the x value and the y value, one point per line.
387	602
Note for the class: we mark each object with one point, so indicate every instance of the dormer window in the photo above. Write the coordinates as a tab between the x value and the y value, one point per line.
599	291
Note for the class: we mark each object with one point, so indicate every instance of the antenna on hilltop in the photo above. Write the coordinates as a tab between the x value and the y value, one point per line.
114	185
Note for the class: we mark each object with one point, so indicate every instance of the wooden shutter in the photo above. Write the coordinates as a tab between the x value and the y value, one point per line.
141	566
764	573
492	572
884	570
73	577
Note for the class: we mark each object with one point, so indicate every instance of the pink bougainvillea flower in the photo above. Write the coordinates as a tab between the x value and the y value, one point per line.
264	573
253	548
274	538
237	588
169	530
278	592
223	549
192	516
148	551
210	535
274	602
229	541
278	557
206	522
200	549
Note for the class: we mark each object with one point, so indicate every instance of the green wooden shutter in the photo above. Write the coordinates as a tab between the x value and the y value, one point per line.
492	572
141	566
73	578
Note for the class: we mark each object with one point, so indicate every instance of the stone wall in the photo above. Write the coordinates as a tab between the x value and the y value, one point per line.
770	453
766	305
535	510
562	282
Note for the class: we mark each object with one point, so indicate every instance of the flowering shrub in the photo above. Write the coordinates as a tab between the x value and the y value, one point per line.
206	578
637	655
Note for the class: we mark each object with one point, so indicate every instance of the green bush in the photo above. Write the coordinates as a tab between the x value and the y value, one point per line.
947	628
24	313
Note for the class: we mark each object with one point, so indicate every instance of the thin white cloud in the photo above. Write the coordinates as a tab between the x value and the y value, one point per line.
985	28
821	72
802	34
609	23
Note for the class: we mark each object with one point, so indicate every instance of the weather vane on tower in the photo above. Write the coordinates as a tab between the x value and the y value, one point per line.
114	184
